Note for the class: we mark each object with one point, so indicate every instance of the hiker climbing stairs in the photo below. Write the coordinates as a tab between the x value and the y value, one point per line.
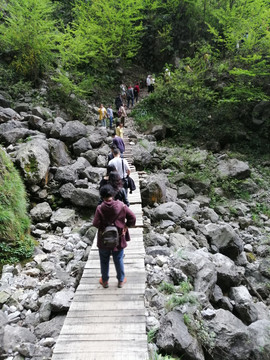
109	324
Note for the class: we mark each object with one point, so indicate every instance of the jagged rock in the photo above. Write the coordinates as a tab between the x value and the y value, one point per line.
142	155
42	112
93	174
58	153
85	197
81	146
158	250
22	107
225	239
264	267
7	114
174	338
11	125
73	131
210	214
154	190
70	173
259	332
159	132
62	300
50	328
233	168
185	192
57	127
244	308
51	286
178	241
189	223
228	274
221	301
91	156
34	122
15	335
66	191
168	211
63	217
231	337
33	159
193	209
153	239
12	136
41	212
97	137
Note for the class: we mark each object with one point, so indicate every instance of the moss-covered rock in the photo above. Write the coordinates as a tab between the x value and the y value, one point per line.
15	241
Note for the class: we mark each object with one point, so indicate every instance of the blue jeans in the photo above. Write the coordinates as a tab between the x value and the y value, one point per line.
111	121
103	122
118	259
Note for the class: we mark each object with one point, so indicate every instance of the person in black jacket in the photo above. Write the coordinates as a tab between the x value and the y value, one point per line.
118	102
115	181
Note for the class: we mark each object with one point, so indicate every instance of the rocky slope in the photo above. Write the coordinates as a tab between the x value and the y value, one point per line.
207	264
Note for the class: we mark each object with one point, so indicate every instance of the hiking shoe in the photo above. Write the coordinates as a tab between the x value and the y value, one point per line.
121	283
105	284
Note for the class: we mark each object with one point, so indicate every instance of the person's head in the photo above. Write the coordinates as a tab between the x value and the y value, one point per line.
110	168
101	105
110	106
117	123
115	180
113	134
116	152
107	192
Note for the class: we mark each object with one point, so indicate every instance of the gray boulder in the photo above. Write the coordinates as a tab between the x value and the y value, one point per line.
93	174
13	136
225	240
259	333
63	217
4	101
174	338
81	146
70	173
58	153
33	159
261	113
42	112
57	127
67	190
34	122
41	212
185	192
85	197
159	131
233	168
228	274
244	307
73	131
50	328
154	190
62	300
178	241
232	341
7	114
168	211
15	335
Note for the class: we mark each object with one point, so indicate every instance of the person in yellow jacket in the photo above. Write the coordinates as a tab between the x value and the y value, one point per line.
102	115
119	130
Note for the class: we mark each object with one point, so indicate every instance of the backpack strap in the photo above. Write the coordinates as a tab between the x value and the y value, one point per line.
112	222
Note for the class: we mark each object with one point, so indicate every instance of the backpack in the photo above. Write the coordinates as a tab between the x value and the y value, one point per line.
131	184
110	235
119	113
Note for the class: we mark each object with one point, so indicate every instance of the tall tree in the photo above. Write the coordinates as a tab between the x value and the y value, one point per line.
27	33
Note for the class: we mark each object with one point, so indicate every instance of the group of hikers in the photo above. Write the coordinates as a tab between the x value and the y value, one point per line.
113	209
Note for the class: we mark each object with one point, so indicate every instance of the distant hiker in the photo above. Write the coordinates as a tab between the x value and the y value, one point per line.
152	84
102	115
167	76
122	114
123	90
113	178
130	96
118	101
110	155
118	143
110	115
136	91
112	211
148	83
119	130
105	179
121	166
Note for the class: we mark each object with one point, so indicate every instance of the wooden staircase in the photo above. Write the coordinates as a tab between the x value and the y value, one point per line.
109	324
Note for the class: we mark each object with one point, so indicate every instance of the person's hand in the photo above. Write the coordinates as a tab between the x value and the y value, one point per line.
124	230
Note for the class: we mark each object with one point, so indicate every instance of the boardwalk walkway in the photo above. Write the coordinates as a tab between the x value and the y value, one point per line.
109	324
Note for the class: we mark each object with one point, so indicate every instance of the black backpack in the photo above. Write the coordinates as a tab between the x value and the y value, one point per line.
110	235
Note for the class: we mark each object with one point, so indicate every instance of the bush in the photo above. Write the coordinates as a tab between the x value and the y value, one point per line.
16	243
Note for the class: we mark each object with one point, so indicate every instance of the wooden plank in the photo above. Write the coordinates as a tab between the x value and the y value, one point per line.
127	355
109	297
113	329
121	305
129	313
105	319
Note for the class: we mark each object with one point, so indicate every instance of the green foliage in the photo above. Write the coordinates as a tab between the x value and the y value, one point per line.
167	288
180	294
27	34
16	244
151	335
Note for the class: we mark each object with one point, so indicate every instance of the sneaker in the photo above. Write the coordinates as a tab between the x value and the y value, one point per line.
105	284
121	283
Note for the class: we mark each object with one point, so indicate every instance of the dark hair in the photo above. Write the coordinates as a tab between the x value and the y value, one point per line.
115	180
116	151
106	191
110	168
113	134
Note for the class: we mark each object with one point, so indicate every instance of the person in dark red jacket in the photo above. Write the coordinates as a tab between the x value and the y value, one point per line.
136	91
105	215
